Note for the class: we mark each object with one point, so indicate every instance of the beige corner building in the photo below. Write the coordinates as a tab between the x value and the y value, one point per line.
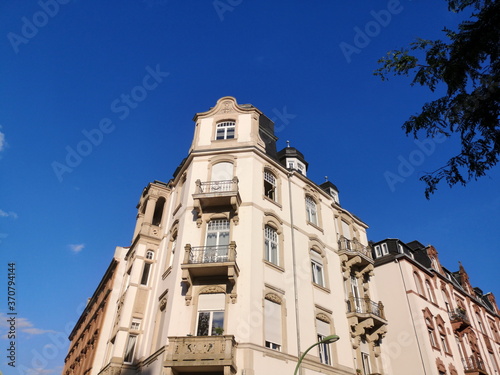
237	265
439	323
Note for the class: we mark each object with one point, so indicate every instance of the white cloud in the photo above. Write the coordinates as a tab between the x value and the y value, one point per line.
8	214
42	371
22	324
76	248
2	140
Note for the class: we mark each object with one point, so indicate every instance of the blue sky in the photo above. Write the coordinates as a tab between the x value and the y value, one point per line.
81	68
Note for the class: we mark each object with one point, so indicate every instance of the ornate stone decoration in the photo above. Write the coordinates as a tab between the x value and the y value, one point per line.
323	317
273	297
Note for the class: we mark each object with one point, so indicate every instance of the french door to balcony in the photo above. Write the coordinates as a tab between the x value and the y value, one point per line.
217	243
356	294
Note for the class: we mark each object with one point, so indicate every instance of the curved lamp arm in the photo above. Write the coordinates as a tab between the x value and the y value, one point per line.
327	340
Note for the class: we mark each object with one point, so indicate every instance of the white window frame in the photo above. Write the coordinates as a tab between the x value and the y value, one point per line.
385	248
128	356
211	327
223	130
136	324
211	305
273	318
271	238
365	360
311	210
318	275
270	191
324	351
378	252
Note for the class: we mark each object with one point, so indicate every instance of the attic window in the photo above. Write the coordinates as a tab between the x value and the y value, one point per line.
225	130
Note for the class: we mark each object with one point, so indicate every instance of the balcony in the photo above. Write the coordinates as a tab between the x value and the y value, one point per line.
474	365
212	194
365	306
366	317
459	319
352	252
201	353
210	261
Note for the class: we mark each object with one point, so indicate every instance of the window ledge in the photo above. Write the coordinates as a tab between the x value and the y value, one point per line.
166	273
275	266
323	288
223	140
315	226
272	201
176	209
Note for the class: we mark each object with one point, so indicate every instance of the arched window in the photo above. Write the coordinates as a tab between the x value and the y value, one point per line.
446	300
271	249
150	254
442	335
158	213
418	283
430	330
311	210
225	130
429	291
270	188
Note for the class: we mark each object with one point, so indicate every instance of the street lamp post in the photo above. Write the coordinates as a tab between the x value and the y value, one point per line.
327	340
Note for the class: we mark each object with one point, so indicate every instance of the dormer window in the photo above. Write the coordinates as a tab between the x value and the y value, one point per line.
225	130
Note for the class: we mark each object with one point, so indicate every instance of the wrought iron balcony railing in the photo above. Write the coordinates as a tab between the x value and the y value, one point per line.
223	186
474	364
458	314
365	306
208	254
354	246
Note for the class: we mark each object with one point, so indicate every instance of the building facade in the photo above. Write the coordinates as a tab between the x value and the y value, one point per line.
439	323
89	336
240	262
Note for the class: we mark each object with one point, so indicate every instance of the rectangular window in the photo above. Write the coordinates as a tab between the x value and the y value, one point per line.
443	344
323	329
365	358
271	245
269	185
385	249
431	337
311	211
378	252
317	272
129	349
210	314
217	242
145	273
136	324
272	324
225	130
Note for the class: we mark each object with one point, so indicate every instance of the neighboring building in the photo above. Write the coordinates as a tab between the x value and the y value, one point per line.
240	262
439	323
90	334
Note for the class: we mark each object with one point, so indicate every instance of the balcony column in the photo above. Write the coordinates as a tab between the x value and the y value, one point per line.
198	189
368	304
381	309
352	305
187	253
186	276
